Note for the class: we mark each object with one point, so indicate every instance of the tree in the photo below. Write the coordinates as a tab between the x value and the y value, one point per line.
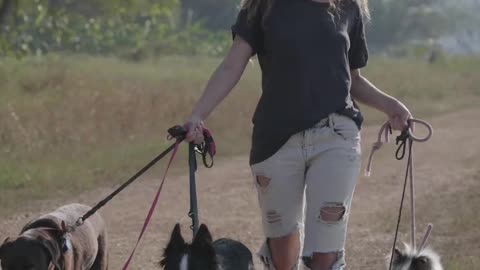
215	14
7	9
396	22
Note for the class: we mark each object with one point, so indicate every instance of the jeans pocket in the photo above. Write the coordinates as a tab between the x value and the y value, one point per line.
345	128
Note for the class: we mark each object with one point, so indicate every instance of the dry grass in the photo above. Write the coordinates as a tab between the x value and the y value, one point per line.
69	123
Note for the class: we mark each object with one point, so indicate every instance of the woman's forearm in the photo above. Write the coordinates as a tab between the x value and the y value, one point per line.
365	92
218	87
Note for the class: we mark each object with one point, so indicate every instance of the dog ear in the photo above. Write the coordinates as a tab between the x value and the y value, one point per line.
176	236
53	251
6	240
203	237
203	245
397	255
176	242
175	245
4	246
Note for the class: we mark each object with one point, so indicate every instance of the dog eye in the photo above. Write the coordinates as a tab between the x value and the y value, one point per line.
423	260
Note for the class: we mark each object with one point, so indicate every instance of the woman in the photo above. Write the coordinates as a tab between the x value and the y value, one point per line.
306	139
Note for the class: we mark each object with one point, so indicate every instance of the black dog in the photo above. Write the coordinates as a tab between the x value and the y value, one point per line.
411	259
204	253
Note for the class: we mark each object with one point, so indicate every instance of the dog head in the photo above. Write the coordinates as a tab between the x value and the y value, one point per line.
200	254
410	259
30	252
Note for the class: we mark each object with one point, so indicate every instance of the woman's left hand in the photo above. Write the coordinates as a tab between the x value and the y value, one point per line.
398	115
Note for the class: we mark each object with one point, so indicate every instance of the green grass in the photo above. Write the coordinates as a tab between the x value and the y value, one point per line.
70	123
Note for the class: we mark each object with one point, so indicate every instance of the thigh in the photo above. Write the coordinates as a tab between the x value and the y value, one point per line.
330	182
280	185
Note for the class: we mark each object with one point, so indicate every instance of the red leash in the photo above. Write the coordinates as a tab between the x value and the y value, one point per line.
206	148
152	208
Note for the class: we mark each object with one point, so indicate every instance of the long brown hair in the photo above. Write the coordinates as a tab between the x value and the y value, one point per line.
264	6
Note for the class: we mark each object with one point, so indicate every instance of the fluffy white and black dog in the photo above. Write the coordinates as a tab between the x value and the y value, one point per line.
411	259
204	253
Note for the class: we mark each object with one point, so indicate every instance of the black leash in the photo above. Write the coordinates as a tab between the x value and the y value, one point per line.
178	133
402	141
206	148
406	137
192	165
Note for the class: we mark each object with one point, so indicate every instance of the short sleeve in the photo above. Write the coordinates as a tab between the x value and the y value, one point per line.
249	29
358	52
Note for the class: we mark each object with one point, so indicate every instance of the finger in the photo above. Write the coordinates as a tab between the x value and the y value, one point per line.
412	126
399	124
190	136
394	123
199	139
404	124
192	131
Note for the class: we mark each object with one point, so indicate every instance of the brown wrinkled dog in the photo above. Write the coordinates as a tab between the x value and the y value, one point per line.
43	243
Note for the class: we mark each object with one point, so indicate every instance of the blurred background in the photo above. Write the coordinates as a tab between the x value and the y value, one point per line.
88	89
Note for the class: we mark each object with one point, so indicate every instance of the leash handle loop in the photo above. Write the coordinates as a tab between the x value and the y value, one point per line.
412	123
206	149
402	144
386	130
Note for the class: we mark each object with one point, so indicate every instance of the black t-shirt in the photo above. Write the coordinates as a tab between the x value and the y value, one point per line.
306	50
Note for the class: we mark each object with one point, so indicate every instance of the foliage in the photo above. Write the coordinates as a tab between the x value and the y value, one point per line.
138	29
394	22
119	30
216	14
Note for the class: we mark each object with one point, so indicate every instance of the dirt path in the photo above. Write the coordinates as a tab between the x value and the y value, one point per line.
227	199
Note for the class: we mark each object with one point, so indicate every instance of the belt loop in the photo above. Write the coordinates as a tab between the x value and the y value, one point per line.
330	121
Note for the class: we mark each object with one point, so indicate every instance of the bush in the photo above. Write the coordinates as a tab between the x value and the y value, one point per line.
124	33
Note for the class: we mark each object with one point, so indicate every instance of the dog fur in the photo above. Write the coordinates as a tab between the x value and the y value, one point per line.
41	243
204	253
411	259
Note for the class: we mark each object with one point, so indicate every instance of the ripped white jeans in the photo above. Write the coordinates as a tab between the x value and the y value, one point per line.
311	178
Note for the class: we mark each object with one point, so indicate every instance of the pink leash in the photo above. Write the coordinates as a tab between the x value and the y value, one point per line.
406	137
207	148
152	208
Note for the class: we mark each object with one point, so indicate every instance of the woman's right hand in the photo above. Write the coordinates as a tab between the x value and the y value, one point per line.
194	126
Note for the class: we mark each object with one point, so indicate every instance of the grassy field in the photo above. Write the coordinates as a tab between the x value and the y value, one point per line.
72	123
68	124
